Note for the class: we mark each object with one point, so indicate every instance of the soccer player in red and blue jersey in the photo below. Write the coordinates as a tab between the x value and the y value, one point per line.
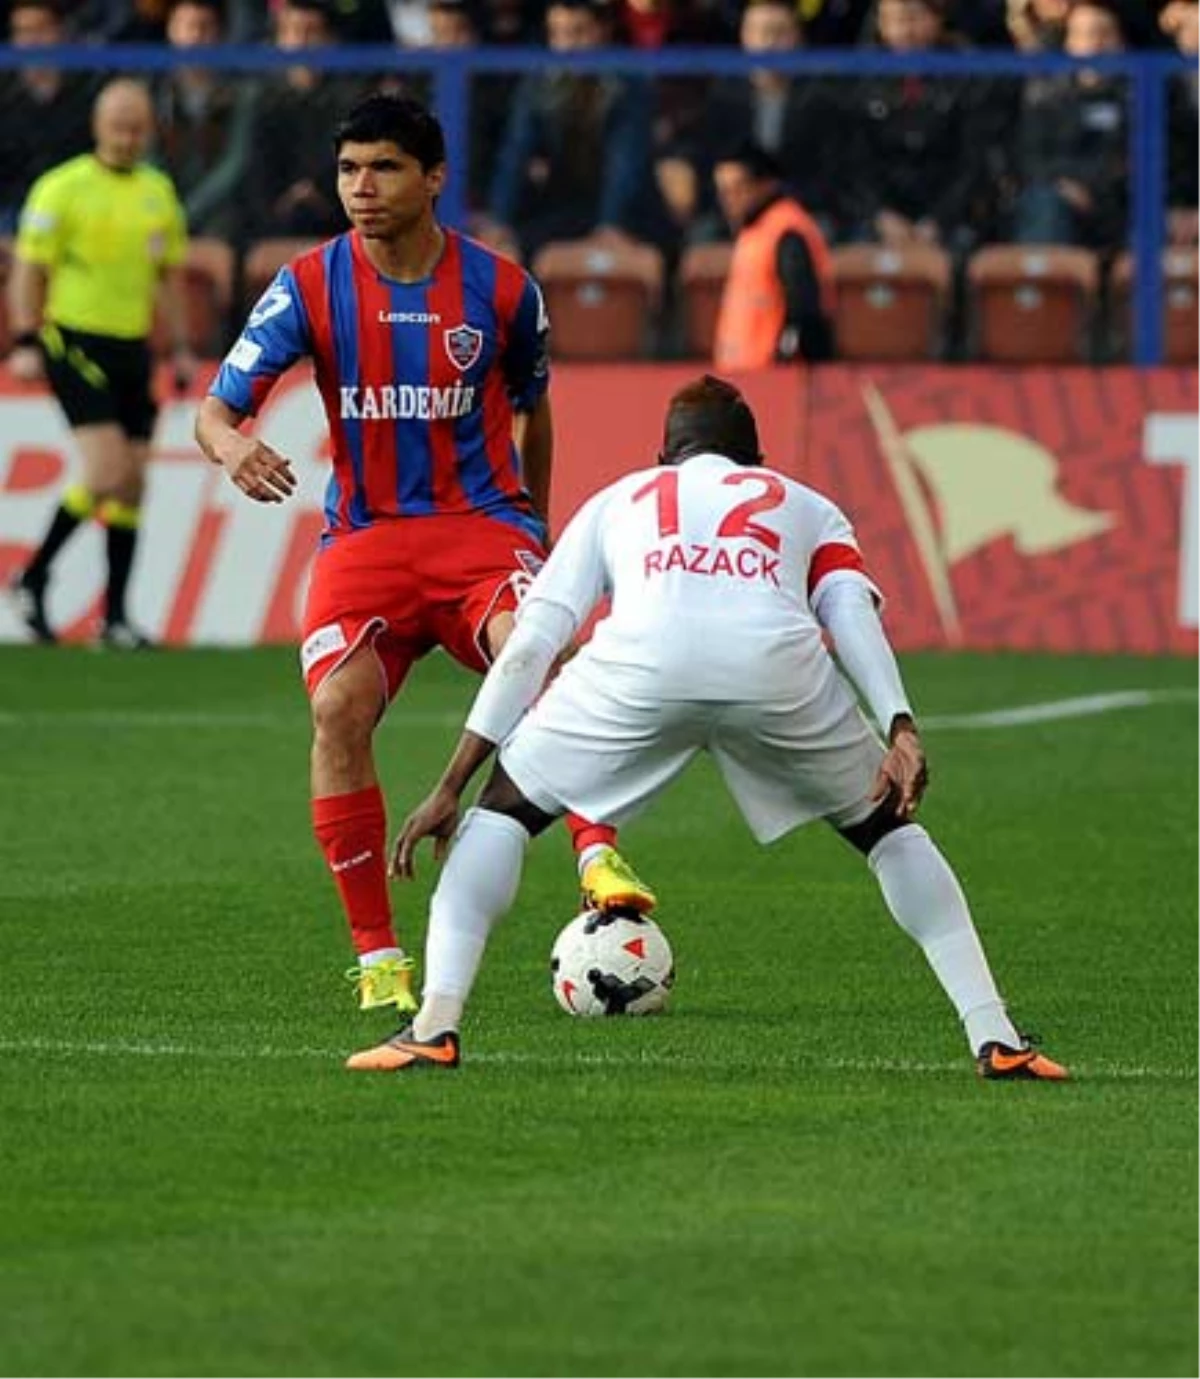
430	353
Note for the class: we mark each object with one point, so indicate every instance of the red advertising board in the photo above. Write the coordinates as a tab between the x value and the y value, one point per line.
1035	508
1050	509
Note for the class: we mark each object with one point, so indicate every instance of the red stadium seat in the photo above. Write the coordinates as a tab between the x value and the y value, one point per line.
208	297
891	303
702	273
601	294
264	259
1032	304
1180	318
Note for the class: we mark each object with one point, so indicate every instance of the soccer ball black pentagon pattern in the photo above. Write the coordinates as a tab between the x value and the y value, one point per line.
612	962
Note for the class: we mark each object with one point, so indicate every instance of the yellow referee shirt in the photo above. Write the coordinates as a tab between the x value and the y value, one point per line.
104	237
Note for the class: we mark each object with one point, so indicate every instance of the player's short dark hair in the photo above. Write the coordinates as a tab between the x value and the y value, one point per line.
710	415
400	120
759	162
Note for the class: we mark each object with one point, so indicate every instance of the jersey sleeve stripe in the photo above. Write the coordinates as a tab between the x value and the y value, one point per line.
833	555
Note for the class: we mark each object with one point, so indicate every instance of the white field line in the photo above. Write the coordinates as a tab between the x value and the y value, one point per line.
1054	709
1018	716
565	1061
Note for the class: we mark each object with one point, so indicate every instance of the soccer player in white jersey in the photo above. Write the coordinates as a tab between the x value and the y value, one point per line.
724	576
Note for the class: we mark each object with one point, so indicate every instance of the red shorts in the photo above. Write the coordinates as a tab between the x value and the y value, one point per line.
410	585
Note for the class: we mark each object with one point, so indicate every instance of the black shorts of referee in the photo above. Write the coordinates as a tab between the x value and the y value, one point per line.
101	378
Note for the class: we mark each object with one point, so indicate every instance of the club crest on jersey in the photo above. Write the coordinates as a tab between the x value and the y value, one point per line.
464	344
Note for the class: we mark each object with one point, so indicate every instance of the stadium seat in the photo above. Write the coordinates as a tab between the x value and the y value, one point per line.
208	297
264	259
702	273
1180	318
891	303
601	295
1032	304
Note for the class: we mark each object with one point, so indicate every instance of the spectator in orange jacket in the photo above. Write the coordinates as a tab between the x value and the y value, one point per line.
778	298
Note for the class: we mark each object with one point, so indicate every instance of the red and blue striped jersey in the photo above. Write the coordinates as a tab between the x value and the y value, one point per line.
419	380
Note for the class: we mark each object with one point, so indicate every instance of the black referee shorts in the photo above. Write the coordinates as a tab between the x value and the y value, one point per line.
99	378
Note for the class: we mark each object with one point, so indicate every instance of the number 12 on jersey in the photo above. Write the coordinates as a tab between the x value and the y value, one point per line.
738	522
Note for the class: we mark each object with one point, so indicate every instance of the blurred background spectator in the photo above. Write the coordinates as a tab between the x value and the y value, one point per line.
456	24
777	303
1036	26
294	189
205	123
833	23
1074	142
792	118
1180	22
912	148
575	158
45	114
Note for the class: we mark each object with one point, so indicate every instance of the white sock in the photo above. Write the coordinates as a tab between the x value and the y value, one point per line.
593	850
379	955
927	902
478	884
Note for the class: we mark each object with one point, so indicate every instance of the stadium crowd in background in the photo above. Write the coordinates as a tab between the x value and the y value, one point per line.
894	160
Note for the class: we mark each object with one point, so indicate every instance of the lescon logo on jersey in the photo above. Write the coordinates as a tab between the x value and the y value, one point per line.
464	344
962	486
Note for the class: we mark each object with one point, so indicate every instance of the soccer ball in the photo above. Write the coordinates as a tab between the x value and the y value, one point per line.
612	963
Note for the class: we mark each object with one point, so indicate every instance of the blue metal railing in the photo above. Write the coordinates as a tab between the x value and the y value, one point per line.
451	71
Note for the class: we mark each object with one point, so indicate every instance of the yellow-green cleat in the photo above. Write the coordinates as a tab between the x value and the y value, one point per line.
386	983
610	883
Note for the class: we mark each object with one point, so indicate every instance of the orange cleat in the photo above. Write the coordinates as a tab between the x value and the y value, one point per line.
998	1062
404	1051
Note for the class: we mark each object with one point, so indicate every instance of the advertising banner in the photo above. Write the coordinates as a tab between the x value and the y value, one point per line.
1049	509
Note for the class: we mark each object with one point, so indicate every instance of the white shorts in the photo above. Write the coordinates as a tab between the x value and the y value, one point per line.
581	748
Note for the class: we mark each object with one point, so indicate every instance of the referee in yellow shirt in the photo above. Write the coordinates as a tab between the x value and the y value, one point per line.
98	236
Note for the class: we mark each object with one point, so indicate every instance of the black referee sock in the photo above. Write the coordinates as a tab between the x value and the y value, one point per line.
61	529
122	542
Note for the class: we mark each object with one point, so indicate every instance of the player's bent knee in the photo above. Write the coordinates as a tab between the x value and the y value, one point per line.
345	709
501	796
873	829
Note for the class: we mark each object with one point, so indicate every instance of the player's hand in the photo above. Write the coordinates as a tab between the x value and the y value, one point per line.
436	818
903	775
25	364
260	472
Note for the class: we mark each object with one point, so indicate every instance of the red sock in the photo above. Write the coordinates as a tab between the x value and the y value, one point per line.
586	835
352	832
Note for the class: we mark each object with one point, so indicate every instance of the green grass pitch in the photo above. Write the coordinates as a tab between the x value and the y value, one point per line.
795	1172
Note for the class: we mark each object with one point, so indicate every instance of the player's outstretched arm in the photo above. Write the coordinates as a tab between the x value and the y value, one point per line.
260	472
846	609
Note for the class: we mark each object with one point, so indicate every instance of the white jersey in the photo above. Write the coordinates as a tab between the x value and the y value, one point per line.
713	569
